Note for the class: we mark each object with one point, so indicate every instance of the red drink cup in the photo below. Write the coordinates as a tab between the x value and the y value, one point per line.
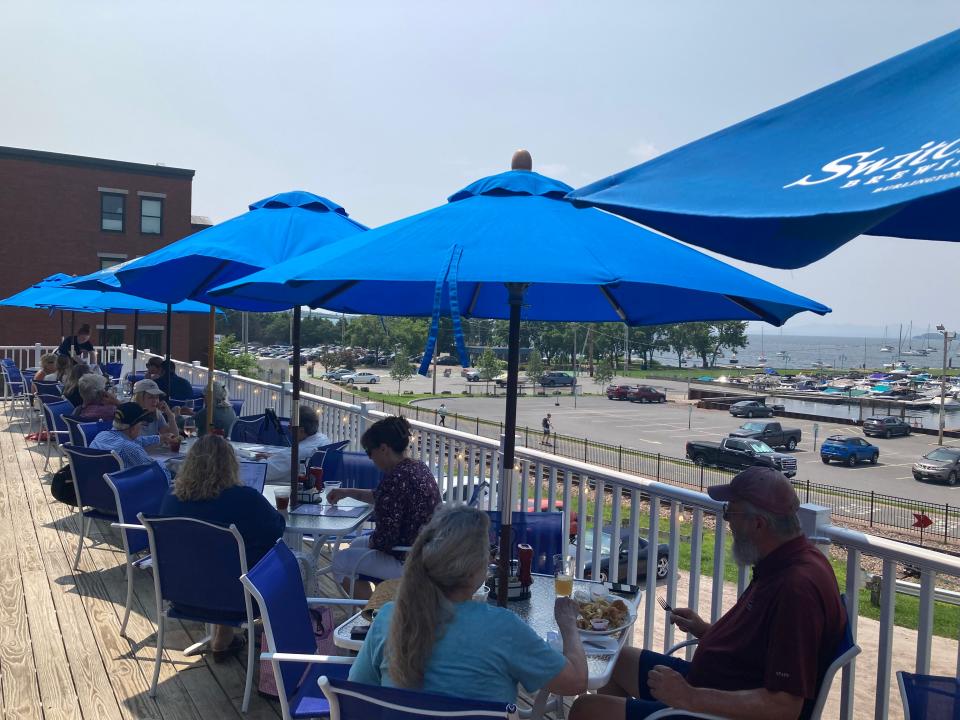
317	474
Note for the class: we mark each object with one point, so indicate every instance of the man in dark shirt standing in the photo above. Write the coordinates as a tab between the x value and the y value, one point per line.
76	345
764	657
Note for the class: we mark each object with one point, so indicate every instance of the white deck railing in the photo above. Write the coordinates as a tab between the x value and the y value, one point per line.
462	460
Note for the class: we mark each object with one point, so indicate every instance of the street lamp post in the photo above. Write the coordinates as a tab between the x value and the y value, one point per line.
947	337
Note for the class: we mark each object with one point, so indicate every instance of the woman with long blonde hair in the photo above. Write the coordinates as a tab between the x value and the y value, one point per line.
434	638
208	487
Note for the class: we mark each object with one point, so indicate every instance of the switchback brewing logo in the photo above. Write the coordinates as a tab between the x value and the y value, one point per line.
886	171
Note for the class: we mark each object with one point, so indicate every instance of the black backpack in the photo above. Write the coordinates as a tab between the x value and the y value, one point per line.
61	486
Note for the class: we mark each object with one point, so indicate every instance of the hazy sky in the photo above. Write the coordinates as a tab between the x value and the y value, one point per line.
388	107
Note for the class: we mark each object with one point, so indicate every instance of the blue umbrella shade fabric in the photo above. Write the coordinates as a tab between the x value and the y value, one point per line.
273	230
55	293
876	153
578	264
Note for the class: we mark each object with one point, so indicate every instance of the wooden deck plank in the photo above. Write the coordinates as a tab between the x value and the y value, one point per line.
21	692
90	680
50	658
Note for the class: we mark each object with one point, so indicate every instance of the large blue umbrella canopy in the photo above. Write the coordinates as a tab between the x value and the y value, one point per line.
510	245
55	293
580	264
876	153
273	230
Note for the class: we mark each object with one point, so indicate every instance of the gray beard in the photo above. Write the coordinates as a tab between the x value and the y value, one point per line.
745	553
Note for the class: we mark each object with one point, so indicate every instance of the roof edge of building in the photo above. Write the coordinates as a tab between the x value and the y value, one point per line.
84	161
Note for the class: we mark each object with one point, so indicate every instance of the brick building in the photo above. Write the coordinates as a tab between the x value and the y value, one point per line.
75	214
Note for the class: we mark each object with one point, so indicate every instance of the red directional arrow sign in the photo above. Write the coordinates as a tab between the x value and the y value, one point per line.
922	521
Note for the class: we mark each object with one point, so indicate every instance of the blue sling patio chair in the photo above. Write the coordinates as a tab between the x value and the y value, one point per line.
56	428
356	701
844	654
543	531
15	390
196	576
139	489
95	499
275	583
82	432
929	697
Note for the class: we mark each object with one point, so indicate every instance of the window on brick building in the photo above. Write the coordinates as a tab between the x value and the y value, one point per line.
150	339
151	216
111	212
110	260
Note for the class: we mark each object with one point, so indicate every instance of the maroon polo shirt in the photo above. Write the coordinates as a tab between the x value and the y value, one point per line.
783	632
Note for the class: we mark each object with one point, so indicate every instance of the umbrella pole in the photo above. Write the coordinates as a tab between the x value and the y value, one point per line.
169	333
295	411
515	291
103	339
136	331
211	363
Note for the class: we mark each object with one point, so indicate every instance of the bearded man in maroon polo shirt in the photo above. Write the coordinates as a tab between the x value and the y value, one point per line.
762	659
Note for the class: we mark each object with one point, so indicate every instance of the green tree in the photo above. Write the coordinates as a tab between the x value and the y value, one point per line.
535	367
677	339
401	370
731	335
489	365
603	373
244	363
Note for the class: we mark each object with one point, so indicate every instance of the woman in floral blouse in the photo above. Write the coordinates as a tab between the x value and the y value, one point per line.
403	502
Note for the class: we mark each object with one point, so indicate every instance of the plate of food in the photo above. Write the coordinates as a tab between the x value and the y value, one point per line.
604	615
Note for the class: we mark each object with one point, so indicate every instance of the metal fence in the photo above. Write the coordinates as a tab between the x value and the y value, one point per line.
874	509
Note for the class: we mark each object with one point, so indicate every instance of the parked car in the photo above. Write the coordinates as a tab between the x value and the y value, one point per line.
885	427
750	408
555	378
645	393
849	449
740	453
772	433
361	376
618	392
471	374
338	373
940	464
663	556
501	380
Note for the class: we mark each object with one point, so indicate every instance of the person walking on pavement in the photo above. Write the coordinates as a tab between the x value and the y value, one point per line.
442	415
547	427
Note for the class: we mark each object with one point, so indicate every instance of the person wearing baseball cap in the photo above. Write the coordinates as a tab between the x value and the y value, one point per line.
765	656
148	395
127	438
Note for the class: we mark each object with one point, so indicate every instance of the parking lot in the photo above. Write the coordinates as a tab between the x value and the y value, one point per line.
664	429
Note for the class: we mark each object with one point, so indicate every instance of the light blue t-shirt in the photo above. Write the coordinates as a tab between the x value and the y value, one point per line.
484	652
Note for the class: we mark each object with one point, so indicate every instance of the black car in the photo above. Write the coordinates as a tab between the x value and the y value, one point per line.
750	409
885	427
663	556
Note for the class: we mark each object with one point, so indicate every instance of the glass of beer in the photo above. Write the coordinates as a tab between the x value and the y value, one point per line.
563	575
281	497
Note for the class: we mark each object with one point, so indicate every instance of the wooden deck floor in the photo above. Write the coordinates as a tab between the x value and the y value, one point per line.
61	652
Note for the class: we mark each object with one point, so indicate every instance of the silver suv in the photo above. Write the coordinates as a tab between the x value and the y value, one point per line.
557	378
940	464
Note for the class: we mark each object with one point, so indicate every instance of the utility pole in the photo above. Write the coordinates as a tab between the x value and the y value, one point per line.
590	348
947	337
626	347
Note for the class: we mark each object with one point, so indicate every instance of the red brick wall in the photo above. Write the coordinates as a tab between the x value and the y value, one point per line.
50	223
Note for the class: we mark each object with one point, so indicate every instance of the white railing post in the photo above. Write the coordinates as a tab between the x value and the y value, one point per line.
232	383
813	518
37	354
286	391
365	420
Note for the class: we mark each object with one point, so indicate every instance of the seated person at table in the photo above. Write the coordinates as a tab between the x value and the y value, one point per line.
164	373
403	502
435	639
98	403
65	364
71	388
223	414
310	439
764	657
76	345
126	438
208	487
148	395
48	368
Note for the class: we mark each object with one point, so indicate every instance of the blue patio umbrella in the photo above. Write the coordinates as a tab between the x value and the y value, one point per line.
876	153
56	293
274	229
509	246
